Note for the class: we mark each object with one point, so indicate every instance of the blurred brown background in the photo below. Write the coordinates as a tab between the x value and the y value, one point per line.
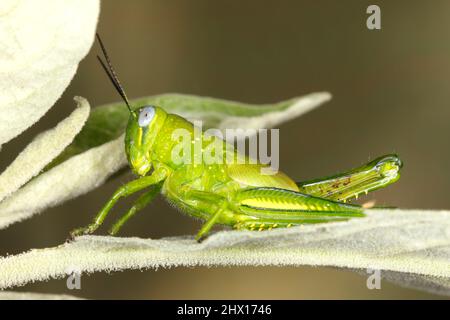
390	94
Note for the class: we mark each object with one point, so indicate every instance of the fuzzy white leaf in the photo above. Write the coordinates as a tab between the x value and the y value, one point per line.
93	167
8	295
43	149
404	244
41	44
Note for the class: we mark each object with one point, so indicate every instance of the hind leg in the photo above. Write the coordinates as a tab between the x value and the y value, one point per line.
266	208
374	175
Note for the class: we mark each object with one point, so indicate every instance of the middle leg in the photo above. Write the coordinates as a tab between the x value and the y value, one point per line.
209	206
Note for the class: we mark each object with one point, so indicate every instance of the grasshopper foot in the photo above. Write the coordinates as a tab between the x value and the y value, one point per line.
200	238
82	231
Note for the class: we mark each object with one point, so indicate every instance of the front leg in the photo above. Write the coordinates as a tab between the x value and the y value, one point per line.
138	205
134	186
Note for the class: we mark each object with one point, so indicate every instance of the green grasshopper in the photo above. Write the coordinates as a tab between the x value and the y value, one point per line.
232	194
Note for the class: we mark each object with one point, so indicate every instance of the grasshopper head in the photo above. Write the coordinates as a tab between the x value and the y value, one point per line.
143	125
141	133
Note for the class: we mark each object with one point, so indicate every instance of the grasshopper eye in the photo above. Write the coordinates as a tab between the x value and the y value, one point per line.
146	116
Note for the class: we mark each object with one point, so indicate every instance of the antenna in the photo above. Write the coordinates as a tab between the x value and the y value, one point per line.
112	74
